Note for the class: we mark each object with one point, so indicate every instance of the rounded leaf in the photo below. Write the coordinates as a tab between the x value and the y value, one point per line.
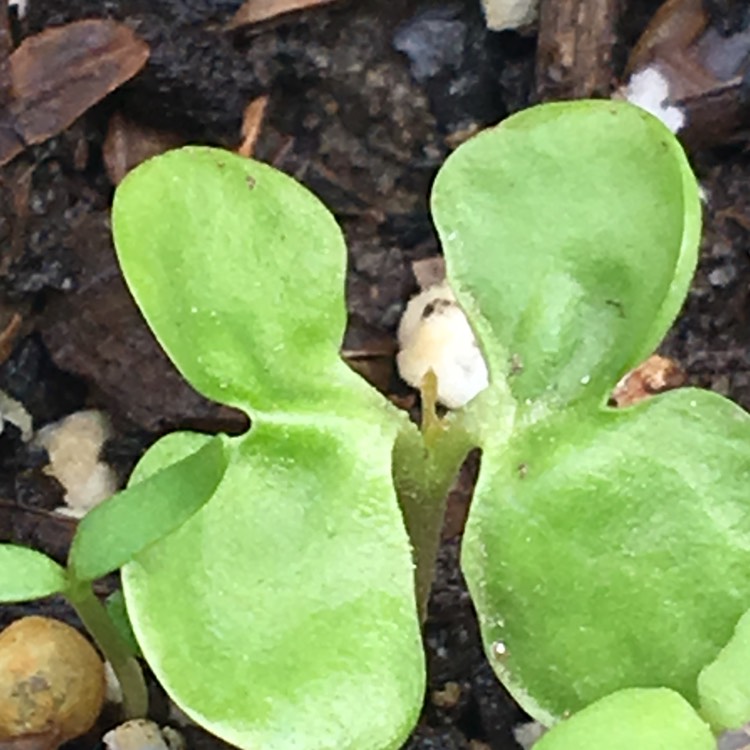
570	233
283	616
724	685
239	271
612	549
634	719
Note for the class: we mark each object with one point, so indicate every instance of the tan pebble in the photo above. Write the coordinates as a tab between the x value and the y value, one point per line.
448	697
51	680
136	734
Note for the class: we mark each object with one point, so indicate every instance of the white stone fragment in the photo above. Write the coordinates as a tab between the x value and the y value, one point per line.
434	334
649	89
15	412
73	445
136	734
20	6
509	14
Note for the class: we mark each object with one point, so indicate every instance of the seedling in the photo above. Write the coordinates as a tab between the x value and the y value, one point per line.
108	537
607	551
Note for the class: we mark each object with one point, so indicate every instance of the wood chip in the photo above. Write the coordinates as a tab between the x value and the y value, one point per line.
252	120
674	27
656	375
257	11
128	144
9	335
60	73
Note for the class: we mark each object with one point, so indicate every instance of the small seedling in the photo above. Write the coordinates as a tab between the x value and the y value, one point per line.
109	536
607	551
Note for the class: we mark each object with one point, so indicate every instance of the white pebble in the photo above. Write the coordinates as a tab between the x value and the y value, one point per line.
434	334
73	445
649	90
509	14
139	734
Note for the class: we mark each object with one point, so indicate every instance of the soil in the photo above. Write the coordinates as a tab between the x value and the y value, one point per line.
366	101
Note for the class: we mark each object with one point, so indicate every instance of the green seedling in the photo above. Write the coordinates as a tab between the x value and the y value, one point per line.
108	537
607	551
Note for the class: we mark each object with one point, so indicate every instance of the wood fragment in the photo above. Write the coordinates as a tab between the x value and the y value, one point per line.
9	335
60	73
674	27
257	11
128	144
705	71
656	375
574	51
252	120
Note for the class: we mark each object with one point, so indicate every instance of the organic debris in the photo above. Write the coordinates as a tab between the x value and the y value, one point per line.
252	119
128	144
575	48
257	11
656	375
8	336
697	67
51	680
59	74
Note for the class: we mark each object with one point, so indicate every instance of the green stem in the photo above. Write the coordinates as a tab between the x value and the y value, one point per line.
424	467
127	670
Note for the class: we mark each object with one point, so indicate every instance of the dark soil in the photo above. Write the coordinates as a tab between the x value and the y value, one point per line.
366	101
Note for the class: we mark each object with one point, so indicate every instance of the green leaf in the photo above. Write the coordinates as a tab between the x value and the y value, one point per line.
570	233
724	685
283	615
239	271
635	719
27	574
612	549
114	532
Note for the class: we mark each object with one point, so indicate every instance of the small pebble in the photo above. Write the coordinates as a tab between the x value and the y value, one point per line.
142	734
51	679
434	334
448	697
649	89
509	14
722	276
